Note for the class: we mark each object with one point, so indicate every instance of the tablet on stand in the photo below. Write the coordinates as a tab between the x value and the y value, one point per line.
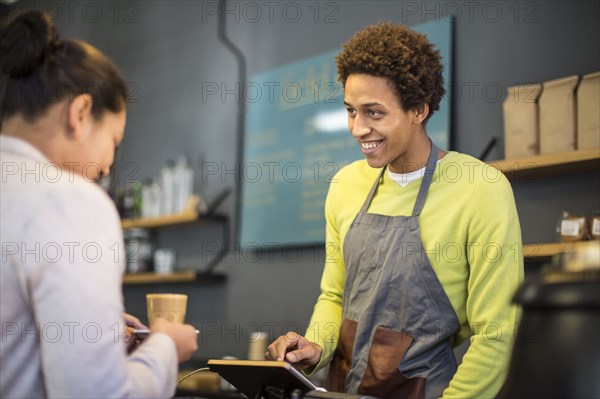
268	379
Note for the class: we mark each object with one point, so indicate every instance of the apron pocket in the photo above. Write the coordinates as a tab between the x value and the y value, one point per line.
382	377
342	358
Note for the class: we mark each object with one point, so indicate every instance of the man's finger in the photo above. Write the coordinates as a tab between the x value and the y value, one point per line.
281	348
300	354
278	349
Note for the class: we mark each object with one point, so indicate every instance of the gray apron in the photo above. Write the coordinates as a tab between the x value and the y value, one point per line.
398	324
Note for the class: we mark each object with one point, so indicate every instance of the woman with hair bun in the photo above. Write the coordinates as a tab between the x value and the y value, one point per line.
423	247
62	113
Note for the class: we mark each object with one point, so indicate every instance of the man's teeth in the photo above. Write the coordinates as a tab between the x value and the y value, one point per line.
371	144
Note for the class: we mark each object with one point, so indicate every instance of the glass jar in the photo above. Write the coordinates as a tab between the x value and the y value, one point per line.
131	201
164	261
138	250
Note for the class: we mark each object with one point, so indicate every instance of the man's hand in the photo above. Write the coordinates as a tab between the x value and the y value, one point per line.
296	349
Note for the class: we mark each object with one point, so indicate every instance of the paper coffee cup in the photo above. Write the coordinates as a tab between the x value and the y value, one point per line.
171	307
258	345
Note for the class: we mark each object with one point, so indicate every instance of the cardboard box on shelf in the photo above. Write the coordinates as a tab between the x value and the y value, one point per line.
558	115
588	112
521	121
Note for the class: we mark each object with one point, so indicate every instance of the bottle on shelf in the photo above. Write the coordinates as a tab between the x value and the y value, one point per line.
167	188
595	225
183	184
172	193
150	199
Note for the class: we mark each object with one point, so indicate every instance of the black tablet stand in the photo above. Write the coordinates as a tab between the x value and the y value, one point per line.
276	393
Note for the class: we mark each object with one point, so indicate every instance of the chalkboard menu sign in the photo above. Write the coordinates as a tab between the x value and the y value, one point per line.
296	139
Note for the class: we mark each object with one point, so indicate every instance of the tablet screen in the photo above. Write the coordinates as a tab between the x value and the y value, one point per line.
253	377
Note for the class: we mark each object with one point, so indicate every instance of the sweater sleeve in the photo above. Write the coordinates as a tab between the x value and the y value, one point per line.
324	327
77	299
494	251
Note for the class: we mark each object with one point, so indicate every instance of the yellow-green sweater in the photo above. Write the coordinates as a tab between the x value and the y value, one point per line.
470	230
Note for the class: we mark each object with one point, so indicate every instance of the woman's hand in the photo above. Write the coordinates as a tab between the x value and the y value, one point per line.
185	336
296	349
133	322
132	340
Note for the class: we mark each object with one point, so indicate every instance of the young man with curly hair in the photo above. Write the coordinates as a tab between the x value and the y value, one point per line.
423	245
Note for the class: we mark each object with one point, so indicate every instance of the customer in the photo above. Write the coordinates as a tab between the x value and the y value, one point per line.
424	245
62	105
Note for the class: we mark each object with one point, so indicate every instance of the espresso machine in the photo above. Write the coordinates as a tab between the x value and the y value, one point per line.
557	347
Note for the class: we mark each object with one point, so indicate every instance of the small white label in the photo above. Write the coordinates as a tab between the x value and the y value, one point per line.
569	228
596	227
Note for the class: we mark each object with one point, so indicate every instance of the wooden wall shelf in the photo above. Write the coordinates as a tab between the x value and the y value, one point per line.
152	278
169	220
179	276
542	251
529	169
538	251
541	166
160	221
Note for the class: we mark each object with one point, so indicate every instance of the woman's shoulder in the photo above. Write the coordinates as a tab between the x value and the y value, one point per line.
70	198
77	191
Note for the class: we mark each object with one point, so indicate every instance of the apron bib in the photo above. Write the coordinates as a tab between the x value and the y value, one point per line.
398	324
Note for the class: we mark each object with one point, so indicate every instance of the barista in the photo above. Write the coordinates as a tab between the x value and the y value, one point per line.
423	245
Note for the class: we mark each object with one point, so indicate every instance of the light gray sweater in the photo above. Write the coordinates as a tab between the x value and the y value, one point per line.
61	303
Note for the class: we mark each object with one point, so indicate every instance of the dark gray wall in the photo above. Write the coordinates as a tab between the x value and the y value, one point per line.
168	51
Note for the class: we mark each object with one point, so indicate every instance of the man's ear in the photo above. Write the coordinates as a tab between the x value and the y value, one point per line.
421	113
79	115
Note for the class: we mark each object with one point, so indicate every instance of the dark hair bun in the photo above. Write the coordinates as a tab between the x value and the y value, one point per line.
26	41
